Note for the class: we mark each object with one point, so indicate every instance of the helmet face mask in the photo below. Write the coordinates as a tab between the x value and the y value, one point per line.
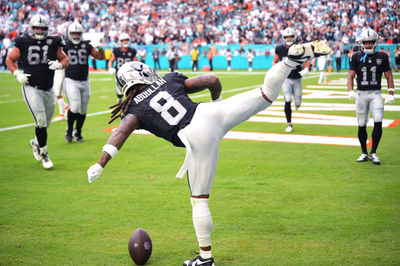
124	40
289	36
39	27
75	33
133	73
369	41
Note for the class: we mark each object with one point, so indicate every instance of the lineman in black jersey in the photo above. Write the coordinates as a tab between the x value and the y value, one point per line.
161	105
38	55
369	66
76	78
292	87
122	54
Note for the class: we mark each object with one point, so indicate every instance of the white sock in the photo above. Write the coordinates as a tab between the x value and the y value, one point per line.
202	221
61	105
275	77
43	150
205	254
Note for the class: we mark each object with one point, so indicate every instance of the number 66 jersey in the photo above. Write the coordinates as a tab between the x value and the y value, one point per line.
34	58
369	69
163	108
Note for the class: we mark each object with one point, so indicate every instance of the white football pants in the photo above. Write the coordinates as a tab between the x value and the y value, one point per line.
369	101
292	88
213	120
40	103
78	95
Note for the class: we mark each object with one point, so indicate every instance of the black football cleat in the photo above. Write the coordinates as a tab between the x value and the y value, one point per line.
68	137
77	135
199	261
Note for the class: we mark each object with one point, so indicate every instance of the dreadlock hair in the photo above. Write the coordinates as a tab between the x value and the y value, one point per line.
121	108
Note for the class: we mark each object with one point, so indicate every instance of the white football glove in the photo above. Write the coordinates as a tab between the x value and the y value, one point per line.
21	77
94	172
112	70
303	72
389	99
352	95
55	65
96	44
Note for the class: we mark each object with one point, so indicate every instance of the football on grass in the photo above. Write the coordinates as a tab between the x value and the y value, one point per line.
140	246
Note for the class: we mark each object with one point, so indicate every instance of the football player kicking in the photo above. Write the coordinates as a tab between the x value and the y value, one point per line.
76	78
38	55
161	105
292	86
122	54
369	65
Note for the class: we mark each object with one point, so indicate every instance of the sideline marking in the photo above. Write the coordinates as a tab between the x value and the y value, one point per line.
275	137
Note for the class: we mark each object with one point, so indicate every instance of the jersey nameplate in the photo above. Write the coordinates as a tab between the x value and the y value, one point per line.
146	93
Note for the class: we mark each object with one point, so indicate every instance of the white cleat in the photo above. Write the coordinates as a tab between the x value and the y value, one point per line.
374	158
35	149
300	53
46	162
363	158
59	118
289	128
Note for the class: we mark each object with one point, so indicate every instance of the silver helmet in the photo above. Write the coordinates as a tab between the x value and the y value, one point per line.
42	22
75	33
286	34
122	37
369	35
132	73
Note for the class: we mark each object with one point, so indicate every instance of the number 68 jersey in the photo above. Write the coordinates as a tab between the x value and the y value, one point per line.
34	57
369	69
163	108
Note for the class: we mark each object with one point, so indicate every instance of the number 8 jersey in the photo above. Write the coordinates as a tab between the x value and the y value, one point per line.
369	69
163	108
34	58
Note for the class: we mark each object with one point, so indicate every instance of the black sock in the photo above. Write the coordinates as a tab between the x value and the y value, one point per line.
41	136
288	112
71	120
79	122
362	137
376	136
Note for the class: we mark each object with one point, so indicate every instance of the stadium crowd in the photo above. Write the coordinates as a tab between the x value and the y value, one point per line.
212	22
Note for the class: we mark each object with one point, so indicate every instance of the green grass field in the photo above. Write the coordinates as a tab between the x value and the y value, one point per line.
272	203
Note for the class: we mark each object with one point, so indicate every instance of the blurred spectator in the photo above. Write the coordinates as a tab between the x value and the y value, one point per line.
156	58
250	56
338	59
142	54
173	58
107	55
195	57
220	22
210	57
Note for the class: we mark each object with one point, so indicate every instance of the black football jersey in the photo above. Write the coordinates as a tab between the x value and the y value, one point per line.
282	52
164	108
34	58
122	57
369	69
78	55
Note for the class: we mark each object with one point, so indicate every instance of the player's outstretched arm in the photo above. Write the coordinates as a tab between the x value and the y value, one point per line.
128	124
203	82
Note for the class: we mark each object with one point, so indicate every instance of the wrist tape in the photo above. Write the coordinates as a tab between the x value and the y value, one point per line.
110	149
